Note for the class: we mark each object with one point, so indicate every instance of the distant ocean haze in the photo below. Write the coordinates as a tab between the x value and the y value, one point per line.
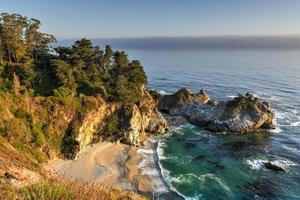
290	42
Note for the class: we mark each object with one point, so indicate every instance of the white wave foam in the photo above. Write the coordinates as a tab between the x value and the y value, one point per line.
145	151
295	150
231	96
295	124
259	163
162	92
147	167
288	118
264	96
276	130
166	174
213	177
255	164
187	178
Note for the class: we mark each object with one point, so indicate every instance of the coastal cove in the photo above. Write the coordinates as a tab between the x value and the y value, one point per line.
150	100
239	172
195	163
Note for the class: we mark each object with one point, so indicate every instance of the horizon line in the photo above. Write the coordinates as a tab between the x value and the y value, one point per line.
187	36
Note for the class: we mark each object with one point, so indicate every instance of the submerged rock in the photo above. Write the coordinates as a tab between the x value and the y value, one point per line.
199	157
243	114
273	167
189	145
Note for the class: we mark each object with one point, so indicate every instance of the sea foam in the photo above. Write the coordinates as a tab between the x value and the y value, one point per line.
259	163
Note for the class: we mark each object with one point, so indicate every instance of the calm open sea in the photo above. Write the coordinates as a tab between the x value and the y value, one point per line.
230	167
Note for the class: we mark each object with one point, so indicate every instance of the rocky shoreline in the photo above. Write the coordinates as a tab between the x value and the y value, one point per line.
156	114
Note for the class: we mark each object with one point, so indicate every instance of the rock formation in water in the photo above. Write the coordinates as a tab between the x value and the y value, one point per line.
271	166
243	114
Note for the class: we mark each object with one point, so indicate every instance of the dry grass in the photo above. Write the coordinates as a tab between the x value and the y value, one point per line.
56	189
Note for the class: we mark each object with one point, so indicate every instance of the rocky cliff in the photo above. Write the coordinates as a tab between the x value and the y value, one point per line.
126	123
245	113
43	128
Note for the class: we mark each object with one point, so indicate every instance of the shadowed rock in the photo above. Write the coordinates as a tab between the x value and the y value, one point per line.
273	167
189	145
199	157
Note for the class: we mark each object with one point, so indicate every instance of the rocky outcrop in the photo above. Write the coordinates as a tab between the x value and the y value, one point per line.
105	121
173	103
271	166
134	128
240	115
153	120
144	118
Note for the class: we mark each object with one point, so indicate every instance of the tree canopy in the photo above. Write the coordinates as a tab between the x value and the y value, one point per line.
81	69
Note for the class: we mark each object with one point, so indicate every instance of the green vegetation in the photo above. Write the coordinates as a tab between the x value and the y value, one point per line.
45	91
64	71
118	121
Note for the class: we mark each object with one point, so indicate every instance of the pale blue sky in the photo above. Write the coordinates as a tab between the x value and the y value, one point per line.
144	18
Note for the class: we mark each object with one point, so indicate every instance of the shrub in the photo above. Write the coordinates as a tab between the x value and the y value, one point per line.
20	113
63	92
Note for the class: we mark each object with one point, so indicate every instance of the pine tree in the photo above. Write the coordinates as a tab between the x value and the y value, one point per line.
106	61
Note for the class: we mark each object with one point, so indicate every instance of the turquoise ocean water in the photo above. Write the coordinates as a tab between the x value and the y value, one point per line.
201	165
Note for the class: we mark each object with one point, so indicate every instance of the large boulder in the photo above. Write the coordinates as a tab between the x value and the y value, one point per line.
243	114
174	102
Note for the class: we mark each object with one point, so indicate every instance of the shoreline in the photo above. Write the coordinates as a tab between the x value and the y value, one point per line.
117	166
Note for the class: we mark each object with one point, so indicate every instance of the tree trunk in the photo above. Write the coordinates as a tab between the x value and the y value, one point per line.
8	52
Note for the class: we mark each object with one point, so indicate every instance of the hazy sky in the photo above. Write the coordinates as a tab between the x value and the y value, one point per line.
143	18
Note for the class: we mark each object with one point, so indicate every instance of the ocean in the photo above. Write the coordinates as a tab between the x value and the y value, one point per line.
228	166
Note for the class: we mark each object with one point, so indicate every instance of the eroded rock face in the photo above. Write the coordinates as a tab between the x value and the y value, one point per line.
240	115
144	118
153	120
132	121
134	128
94	121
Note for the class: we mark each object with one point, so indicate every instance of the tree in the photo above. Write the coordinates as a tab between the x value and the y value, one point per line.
82	52
64	74
21	38
1	51
12	29
64	53
36	41
106	61
137	74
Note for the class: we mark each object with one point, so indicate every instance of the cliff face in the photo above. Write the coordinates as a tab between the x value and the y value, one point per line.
126	123
94	121
153	120
42	128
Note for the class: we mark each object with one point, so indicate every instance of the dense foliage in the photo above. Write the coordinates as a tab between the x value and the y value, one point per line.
42	87
82	69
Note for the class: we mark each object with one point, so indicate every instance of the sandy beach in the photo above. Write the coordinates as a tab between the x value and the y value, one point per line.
115	165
